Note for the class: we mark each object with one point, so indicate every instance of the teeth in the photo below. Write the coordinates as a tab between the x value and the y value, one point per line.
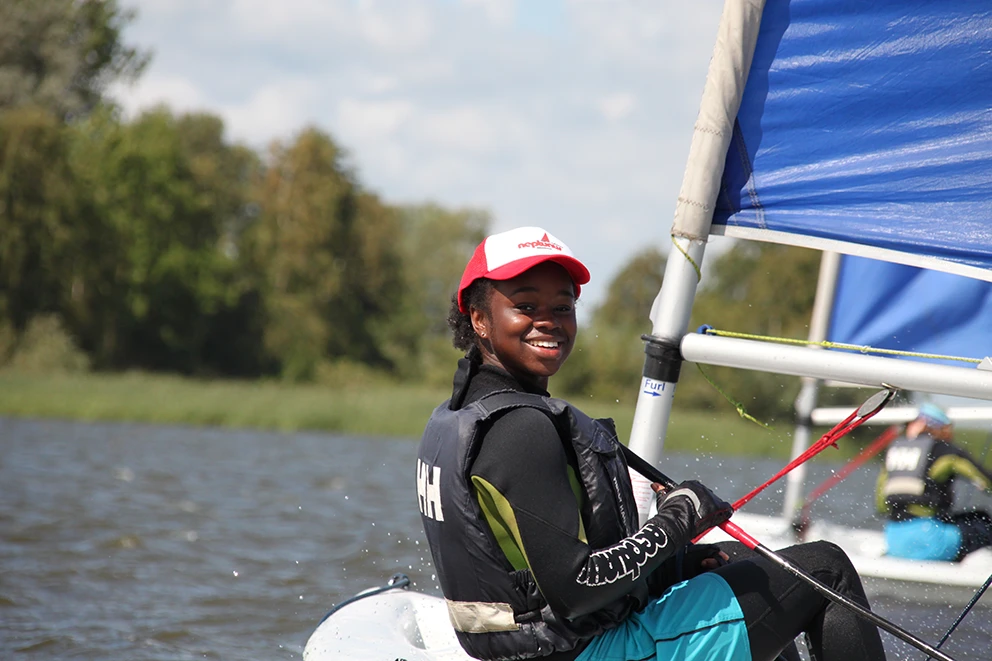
545	344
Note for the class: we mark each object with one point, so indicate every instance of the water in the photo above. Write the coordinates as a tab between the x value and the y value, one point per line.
127	542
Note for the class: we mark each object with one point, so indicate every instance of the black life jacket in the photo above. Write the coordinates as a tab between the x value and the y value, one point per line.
499	612
908	489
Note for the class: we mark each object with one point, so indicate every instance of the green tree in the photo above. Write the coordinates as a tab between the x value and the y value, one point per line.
435	244
164	190
609	355
38	204
327	257
62	54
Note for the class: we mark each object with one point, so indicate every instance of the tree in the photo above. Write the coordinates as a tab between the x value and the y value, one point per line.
62	54
609	355
163	190
435	244
327	257
38	205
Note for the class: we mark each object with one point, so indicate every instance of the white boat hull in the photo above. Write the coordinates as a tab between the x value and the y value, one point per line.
395	624
402	624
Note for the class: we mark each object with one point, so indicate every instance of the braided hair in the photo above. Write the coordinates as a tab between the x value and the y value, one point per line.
476	295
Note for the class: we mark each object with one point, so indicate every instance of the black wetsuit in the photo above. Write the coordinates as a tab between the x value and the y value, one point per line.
524	463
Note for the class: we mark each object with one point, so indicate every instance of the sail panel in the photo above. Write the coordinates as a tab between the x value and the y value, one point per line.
867	123
891	306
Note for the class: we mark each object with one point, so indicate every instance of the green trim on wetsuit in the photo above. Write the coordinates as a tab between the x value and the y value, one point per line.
499	515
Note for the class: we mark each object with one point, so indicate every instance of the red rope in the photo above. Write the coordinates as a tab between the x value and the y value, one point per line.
869	451
827	440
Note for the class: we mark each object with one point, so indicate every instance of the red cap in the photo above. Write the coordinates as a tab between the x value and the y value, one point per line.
508	254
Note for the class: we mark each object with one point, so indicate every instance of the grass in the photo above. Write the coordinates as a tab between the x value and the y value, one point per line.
373	409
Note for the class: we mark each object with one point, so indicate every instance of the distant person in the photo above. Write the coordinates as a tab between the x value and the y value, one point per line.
916	492
530	516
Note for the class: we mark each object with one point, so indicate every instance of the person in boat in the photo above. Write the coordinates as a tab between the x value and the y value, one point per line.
528	509
916	492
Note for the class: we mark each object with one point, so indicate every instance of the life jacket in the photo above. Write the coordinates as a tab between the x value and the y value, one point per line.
499	612
908	489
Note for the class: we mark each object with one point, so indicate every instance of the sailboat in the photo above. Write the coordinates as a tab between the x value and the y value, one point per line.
853	127
930	316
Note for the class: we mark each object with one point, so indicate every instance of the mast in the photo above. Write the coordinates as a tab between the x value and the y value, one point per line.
725	80
819	324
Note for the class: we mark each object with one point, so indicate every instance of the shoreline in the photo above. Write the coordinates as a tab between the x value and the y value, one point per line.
370	409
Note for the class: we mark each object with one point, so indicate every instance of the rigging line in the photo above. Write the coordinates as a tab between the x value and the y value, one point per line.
869	408
741	411
826	344
699	272
649	471
801	523
967	609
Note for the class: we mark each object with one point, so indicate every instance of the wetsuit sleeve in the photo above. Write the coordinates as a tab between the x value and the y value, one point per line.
951	460
523	461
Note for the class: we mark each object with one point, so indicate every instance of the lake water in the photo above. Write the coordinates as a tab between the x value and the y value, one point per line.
123	542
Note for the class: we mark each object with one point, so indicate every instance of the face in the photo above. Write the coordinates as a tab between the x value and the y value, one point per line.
530	328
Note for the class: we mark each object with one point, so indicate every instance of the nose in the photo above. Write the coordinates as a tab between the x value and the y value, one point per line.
545	317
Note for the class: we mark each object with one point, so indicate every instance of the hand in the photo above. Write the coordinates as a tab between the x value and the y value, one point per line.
701	558
700	508
696	559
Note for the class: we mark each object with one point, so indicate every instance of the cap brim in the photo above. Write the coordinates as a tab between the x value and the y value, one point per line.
576	269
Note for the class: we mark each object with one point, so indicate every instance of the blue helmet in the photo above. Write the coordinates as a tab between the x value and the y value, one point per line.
934	415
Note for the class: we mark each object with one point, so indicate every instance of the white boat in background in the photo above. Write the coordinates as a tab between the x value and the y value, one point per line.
914	580
850	128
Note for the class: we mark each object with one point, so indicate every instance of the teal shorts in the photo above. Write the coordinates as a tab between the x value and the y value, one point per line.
922	539
696	620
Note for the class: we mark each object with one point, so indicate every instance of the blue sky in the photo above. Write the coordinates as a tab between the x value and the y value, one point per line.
572	115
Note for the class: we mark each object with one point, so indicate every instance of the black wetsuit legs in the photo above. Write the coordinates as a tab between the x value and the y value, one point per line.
778	606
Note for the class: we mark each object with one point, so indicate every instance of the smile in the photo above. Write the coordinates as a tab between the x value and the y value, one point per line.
544	344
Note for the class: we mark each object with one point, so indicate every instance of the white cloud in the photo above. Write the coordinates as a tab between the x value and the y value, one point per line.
275	110
576	115
175	91
364	119
617	106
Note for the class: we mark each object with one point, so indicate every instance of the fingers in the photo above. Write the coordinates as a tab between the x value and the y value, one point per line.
658	488
713	563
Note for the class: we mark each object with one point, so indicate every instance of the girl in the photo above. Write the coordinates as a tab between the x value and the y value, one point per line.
528	510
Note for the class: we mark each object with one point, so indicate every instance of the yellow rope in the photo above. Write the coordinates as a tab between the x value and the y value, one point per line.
839	345
699	273
737	405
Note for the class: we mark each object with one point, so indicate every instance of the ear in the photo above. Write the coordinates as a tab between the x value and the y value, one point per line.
479	322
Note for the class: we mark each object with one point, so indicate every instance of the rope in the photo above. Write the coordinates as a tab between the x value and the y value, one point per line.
741	411
699	272
967	609
835	345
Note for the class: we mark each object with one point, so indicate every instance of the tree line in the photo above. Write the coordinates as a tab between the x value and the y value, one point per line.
155	243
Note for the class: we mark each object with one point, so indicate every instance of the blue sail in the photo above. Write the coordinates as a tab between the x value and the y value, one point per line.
865	127
892	306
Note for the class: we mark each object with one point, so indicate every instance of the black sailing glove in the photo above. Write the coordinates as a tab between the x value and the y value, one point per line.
693	507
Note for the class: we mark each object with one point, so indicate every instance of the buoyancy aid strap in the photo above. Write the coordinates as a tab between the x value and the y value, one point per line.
481	616
508	399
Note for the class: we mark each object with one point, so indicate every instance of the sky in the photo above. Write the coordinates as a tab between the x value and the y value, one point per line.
572	115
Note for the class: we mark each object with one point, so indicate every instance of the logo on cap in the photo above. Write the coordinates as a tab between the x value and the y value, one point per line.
543	242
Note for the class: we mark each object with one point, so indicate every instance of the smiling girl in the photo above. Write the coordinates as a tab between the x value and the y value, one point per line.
528	509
